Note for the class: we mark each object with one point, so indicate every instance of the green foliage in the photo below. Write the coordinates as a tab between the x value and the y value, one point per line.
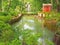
48	42
16	42
5	32
5	18
20	35
36	5
12	12
1	43
4	26
3	13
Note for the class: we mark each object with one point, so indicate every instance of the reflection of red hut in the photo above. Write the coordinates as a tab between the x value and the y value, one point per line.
47	7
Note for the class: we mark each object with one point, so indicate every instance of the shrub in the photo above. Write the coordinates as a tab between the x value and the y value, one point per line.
5	18
6	32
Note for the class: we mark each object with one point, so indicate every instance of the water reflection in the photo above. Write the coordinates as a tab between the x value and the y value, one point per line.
26	26
29	26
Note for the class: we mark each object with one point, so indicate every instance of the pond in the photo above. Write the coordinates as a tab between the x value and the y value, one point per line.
30	30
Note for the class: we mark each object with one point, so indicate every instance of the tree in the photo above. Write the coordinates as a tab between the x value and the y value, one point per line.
58	5
57	2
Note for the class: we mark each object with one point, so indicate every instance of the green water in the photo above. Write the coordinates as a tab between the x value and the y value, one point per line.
32	31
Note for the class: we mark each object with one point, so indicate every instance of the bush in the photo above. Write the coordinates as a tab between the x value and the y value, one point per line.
16	42
3	13
6	32
5	18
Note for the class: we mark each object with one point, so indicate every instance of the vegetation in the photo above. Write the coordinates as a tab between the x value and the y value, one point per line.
16	34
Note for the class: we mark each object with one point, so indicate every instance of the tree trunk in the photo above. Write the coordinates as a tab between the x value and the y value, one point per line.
58	6
2	6
57	2
51	1
9	1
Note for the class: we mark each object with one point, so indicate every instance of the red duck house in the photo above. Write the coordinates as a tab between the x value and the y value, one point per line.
47	7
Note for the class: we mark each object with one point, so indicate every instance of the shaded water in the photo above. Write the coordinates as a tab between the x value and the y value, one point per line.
32	31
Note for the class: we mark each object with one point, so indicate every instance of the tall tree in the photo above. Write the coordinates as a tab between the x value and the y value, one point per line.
57	1
58	5
2	6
